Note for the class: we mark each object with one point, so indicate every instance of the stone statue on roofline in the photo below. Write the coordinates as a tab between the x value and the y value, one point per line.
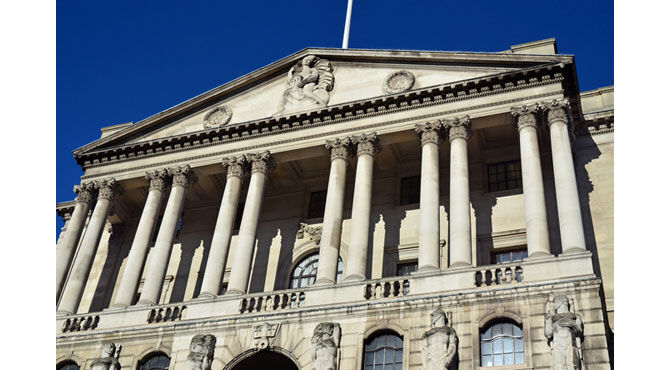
308	85
439	345
565	331
109	359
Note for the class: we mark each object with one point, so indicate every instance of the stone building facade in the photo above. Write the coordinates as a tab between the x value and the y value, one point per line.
350	209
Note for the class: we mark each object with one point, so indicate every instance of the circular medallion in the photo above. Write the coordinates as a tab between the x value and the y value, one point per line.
399	81
218	117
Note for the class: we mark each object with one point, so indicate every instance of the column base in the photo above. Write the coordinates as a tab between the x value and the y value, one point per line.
573	250
324	281
354	277
427	269
145	303
234	292
460	265
64	313
538	255
206	295
118	306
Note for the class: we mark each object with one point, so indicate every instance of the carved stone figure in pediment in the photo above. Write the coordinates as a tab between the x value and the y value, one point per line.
309	83
109	359
201	352
565	330
325	342
439	345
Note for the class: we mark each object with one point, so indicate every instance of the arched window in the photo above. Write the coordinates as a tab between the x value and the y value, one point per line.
155	361
67	365
383	351
304	274
501	344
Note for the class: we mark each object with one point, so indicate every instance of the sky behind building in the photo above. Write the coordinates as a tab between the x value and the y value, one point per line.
127	60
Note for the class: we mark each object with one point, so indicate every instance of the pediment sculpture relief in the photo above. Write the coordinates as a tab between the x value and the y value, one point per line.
218	117
309	83
201	352
109	359
565	331
325	342
439	345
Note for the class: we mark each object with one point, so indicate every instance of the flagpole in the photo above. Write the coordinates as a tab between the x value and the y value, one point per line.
347	24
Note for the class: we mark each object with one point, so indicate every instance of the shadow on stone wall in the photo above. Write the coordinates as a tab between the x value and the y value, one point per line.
117	250
188	248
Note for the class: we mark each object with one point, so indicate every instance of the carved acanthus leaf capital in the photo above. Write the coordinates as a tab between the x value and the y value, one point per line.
525	115
182	176
158	179
339	148
261	162
459	128
430	132
85	192
108	189
366	143
236	166
557	110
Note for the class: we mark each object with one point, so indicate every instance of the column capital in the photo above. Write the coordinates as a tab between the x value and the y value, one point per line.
182	176
366	143
261	162
556	110
339	148
430	132
158	179
459	128
108	189
525	115
85	192
235	166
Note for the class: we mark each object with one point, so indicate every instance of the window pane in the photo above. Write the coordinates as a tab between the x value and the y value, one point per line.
398	357
369	360
519	358
379	357
497	345
487	334
507	329
388	367
518	345
486	348
508	345
508	359
487	361
497	360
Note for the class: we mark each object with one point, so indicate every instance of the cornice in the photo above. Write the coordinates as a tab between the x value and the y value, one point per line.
599	122
429	96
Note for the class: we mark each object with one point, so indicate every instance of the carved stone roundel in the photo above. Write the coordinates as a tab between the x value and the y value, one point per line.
218	117
399	81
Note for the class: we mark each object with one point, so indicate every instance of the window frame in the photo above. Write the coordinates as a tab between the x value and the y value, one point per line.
370	335
308	209
67	362
497	317
305	256
401	179
146	358
487	176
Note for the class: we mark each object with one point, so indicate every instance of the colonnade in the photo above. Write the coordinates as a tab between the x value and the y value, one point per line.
365	147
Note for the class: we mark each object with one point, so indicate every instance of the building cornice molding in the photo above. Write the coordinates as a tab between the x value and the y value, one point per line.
439	94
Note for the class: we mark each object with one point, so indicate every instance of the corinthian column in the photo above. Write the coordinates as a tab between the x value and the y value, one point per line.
537	231
107	191
331	232
261	165
182	178
367	147
460	235
223	231
429	196
138	250
72	235
567	197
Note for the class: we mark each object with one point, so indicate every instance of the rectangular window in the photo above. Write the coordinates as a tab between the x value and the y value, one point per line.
516	255
403	269
409	190
317	204
504	175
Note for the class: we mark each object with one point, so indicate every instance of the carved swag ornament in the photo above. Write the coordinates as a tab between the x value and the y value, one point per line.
565	331
109	359
439	345
201	352
325	342
308	84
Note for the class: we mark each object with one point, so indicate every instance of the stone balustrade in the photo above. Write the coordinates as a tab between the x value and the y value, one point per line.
165	314
498	275
80	323
386	288
272	302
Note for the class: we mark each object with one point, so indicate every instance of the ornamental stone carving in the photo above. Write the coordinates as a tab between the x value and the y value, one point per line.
218	117
85	192
366	143
108	189
182	176
439	345
235	166
309	83
556	110
399	81
201	352
261	162
314	232
158	179
339	148
525	115
565	331
109	359
429	132
459	128
325	342
264	335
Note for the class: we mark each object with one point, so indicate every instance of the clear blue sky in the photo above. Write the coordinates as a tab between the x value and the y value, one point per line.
124	61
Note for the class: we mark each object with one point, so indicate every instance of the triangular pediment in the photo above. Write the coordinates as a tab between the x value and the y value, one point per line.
335	77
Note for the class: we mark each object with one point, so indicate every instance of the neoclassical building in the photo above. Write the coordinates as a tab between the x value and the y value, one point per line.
350	209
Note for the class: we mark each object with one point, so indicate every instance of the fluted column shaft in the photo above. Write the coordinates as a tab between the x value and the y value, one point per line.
75	225
182	178
331	233
460	234
537	229
261	164
74	288
223	231
429	197
567	196
138	250
360	212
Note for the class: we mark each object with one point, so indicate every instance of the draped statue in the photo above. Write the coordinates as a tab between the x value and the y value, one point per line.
109	359
325	342
565	331
439	345
201	352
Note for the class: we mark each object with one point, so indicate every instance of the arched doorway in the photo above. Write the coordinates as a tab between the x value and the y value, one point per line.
266	359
